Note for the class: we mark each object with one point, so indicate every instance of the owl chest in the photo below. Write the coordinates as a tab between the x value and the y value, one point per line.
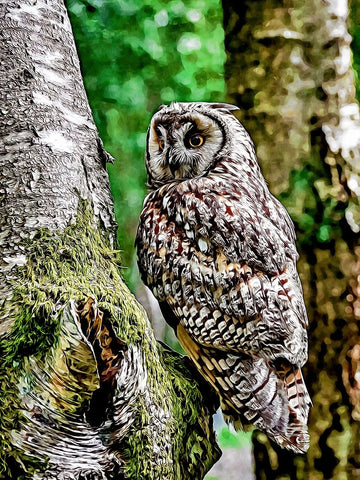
176	260
165	249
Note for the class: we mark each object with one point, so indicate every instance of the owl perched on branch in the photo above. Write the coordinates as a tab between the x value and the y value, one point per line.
218	252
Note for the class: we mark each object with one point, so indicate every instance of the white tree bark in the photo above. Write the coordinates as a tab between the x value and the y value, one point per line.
44	113
85	391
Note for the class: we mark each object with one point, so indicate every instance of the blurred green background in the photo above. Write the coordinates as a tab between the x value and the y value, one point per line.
136	55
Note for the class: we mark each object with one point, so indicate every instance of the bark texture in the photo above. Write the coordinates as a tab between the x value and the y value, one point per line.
44	114
85	391
289	69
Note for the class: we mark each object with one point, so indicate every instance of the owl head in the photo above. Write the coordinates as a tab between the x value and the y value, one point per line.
185	139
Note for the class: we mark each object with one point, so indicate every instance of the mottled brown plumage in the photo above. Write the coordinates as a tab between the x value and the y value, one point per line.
218	252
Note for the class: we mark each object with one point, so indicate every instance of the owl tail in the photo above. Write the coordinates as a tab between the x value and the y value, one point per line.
278	405
299	403
274	400
277	402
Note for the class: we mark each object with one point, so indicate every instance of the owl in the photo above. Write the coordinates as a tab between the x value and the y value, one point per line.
218	252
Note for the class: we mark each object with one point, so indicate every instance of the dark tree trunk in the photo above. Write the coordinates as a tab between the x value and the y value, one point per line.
85	391
289	69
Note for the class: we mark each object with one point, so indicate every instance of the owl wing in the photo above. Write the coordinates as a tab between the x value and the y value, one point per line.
223	270
239	261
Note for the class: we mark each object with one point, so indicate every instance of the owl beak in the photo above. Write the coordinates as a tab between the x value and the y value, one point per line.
174	164
173	168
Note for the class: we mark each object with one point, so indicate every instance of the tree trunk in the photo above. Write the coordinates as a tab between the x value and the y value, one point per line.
86	392
289	69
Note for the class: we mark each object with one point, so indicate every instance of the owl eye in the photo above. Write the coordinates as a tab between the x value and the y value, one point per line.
161	144
196	141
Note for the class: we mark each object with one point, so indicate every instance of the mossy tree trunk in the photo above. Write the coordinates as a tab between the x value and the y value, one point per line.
85	390
289	69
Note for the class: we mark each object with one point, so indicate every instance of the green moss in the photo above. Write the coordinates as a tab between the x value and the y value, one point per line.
32	332
194	456
188	437
75	264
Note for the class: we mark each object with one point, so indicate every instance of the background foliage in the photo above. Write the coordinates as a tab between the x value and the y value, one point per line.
136	55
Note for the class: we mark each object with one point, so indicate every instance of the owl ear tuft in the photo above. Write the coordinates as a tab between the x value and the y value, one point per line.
161	107
224	106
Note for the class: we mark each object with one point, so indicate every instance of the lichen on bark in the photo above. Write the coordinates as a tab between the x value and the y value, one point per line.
168	415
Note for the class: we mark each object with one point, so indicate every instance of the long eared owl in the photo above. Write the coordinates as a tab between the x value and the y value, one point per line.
218	252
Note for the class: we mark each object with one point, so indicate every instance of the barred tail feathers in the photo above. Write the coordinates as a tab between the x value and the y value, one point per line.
254	393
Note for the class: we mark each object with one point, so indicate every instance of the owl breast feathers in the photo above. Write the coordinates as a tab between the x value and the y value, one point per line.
218	252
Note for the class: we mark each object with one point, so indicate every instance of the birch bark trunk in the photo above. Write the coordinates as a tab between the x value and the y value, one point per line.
86	392
289	69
